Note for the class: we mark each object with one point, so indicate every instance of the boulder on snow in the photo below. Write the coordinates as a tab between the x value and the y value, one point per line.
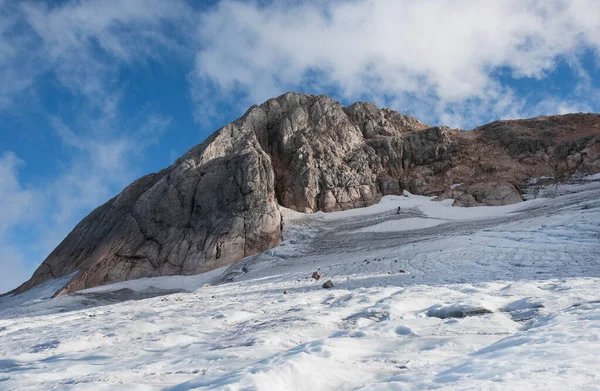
328	284
456	310
317	275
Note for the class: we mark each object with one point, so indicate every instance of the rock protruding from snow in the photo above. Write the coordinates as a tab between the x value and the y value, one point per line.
456	311
487	193
328	284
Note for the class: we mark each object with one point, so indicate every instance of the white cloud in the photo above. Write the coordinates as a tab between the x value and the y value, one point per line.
15	208
14	271
85	44
16	69
436	54
14	199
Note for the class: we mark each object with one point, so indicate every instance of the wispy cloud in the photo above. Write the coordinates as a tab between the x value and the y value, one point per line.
98	167
86	43
15	209
14	199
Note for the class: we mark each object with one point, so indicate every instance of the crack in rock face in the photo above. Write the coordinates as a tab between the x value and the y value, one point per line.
218	203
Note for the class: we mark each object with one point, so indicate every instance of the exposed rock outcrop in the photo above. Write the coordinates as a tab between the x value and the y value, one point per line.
219	202
487	193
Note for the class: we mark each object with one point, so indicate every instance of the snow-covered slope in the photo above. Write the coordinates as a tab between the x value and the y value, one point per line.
434	297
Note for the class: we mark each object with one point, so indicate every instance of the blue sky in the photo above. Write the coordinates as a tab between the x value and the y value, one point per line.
94	94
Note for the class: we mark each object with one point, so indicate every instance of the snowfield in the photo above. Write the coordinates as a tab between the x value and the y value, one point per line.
436	297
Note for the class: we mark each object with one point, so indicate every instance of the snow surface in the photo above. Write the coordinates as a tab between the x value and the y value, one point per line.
407	224
436	297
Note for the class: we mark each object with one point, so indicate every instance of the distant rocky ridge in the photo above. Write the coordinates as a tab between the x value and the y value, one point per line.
220	201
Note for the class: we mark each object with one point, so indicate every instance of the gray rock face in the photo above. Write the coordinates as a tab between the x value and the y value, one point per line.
487	193
219	202
212	207
328	157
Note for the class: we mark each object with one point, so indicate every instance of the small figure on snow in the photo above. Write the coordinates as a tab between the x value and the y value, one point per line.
398	211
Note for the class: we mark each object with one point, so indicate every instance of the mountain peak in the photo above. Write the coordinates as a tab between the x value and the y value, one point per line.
220	202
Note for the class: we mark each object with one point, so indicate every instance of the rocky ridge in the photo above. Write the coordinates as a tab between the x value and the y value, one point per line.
220	201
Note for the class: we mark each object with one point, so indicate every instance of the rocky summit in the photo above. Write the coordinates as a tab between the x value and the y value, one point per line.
220	201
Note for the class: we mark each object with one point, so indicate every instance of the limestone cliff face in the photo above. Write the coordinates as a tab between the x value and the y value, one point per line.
219	202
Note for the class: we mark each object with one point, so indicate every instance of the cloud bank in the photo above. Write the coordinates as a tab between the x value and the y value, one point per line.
442	59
